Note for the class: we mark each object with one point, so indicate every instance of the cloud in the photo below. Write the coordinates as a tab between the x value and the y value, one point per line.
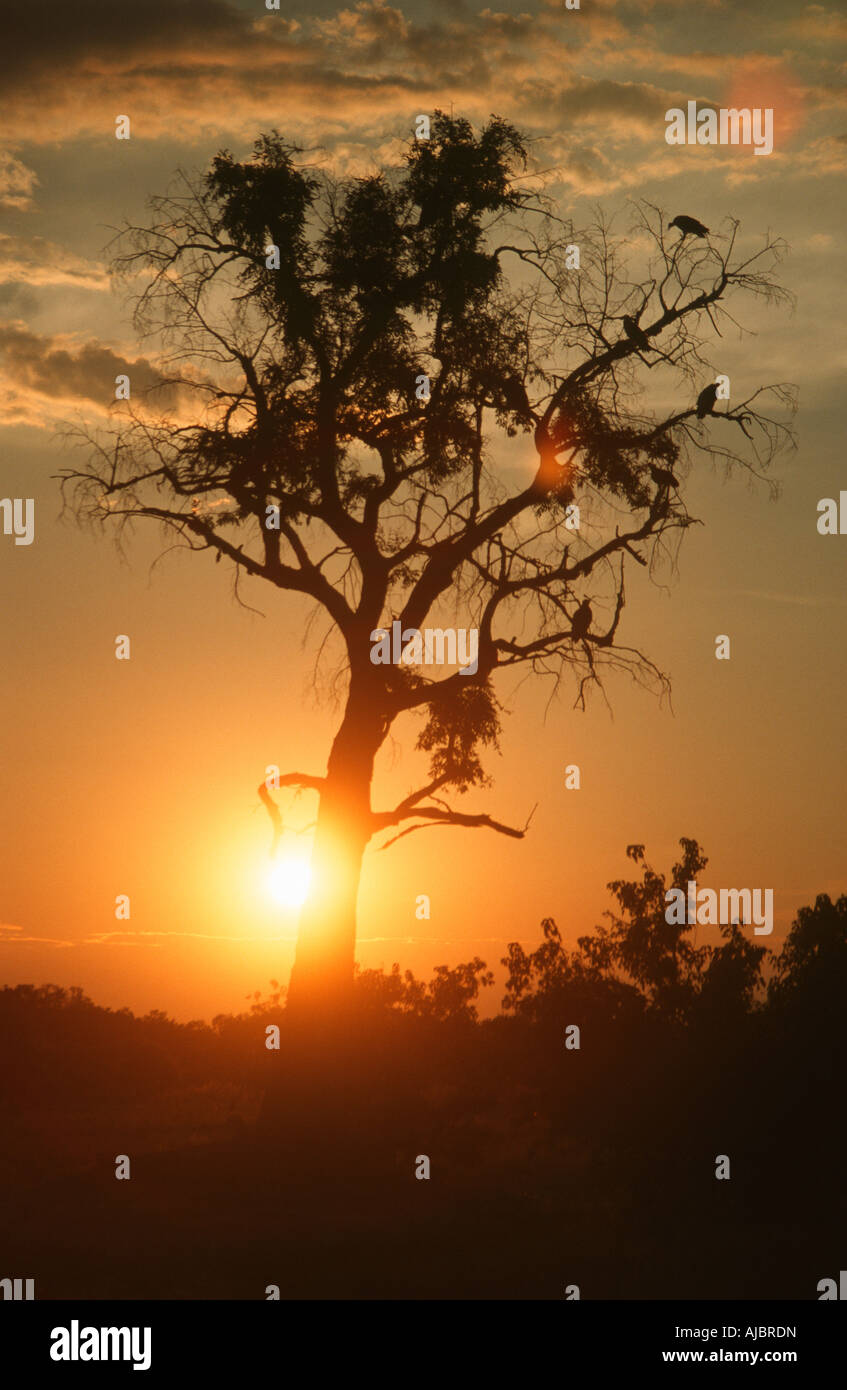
46	376
91	36
95	63
614	108
176	70
129	938
818	24
30	940
347	82
372	24
828	155
35	261
799	600
137	938
16	183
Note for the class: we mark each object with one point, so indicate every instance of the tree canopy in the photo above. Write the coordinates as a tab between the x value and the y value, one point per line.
420	394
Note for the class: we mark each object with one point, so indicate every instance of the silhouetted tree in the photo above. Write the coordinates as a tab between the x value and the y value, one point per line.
637	951
659	956
302	315
448	996
552	981
811	969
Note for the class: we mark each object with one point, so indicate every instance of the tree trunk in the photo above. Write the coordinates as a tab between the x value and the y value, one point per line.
322	977
326	941
311	1107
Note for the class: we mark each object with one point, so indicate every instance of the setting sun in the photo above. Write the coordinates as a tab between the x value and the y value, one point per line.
288	881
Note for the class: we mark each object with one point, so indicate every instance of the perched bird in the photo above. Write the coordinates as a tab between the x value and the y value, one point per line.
663	477
689	226
634	333
706	400
514	394
581	620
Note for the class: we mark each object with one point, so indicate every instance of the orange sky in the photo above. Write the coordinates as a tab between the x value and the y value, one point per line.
141	777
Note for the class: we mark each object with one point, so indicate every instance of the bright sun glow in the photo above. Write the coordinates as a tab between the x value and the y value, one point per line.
288	881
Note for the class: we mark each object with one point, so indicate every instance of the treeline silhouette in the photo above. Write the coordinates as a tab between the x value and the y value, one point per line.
552	1163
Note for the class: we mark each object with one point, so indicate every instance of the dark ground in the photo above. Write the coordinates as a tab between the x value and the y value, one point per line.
548	1168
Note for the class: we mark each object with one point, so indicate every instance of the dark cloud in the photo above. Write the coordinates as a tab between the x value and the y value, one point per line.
586	100
17	300
44	376
35	261
92	33
220	70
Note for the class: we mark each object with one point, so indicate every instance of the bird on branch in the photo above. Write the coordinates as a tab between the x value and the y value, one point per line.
581	621
706	400
689	226
634	333
514	394
663	477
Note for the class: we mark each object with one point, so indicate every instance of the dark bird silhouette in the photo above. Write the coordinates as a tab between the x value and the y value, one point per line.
581	620
663	477
706	400
514	394
689	226
634	333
